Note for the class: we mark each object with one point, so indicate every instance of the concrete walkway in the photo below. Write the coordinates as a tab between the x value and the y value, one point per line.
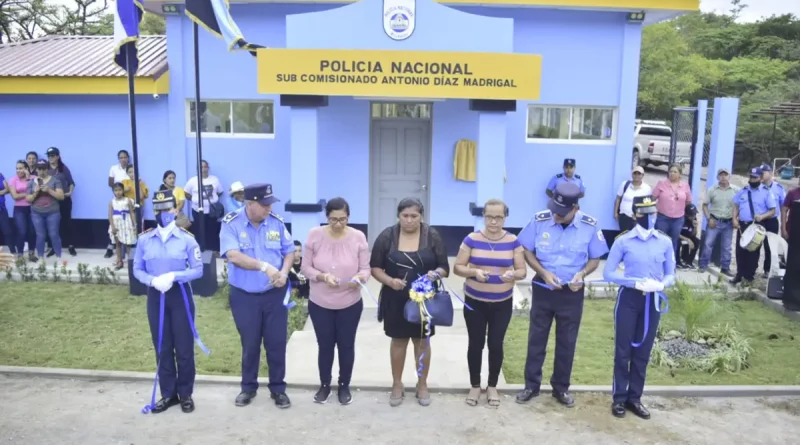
105	412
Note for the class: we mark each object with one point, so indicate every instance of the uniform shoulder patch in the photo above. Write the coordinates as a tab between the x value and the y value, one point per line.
620	234
230	217
543	216
588	220
276	216
578	176
560	175
187	232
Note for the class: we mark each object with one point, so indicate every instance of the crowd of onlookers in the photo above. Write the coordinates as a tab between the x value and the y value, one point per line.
42	189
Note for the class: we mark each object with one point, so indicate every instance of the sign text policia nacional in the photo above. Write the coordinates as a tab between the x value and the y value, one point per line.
417	74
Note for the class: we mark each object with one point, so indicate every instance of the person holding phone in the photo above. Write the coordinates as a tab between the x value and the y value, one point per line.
45	195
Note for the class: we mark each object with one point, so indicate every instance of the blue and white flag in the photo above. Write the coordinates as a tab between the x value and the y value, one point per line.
127	17
215	17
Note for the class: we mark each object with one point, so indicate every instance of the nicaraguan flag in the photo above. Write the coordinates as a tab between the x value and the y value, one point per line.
127	17
215	17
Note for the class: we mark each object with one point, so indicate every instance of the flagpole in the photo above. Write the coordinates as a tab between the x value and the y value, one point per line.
134	144
198	131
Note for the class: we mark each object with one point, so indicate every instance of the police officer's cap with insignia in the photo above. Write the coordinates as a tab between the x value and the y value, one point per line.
565	198
260	193
569	162
163	200
644	204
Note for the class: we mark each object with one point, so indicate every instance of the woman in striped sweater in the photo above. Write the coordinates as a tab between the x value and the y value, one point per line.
491	260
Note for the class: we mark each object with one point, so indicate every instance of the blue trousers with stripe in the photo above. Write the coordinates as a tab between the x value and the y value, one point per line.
630	364
261	318
176	371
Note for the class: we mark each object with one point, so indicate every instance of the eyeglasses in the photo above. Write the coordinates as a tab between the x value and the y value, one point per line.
342	220
493	218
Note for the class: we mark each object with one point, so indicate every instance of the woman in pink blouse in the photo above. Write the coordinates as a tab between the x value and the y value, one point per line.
335	261
18	186
672	195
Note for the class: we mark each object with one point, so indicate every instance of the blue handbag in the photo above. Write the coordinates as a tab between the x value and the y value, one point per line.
440	306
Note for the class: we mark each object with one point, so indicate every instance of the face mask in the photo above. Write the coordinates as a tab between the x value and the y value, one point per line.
165	218
647	222
755	184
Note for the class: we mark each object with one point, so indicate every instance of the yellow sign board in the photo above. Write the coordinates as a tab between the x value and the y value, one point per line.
413	74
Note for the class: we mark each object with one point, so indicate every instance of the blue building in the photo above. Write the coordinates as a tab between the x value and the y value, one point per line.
366	100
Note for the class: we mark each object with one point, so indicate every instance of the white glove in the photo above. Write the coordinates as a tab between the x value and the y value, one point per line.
163	283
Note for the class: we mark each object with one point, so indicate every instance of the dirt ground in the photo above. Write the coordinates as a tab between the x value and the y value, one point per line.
35	411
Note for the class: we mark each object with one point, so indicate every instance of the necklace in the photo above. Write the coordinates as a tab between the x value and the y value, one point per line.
492	241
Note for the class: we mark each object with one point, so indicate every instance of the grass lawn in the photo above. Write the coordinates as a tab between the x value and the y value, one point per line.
773	362
90	326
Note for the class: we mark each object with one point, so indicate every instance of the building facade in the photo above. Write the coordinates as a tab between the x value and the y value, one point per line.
452	102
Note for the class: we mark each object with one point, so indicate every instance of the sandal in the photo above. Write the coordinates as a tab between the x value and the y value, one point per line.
396	401
472	397
494	399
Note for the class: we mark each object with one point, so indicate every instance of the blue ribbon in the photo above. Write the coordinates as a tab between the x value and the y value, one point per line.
657	297
124	213
366	289
162	298
152	405
191	321
287	299
422	356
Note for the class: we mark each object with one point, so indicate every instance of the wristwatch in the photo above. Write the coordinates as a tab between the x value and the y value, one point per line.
264	267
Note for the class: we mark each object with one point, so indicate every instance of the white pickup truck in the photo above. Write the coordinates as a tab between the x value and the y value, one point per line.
659	153
651	140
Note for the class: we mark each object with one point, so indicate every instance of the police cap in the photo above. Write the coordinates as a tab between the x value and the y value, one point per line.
260	193
565	198
690	210
569	162
163	200
644	204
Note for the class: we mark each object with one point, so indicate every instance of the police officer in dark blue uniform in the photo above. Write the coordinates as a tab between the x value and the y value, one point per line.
649	259
753	204
563	245
160	263
567	176
260	253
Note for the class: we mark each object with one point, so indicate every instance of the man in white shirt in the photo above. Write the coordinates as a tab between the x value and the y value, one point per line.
623	205
212	190
117	173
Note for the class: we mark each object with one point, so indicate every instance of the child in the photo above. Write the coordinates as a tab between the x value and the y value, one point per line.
689	234
297	279
121	222
130	192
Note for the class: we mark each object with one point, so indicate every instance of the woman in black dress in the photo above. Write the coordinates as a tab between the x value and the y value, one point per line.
401	254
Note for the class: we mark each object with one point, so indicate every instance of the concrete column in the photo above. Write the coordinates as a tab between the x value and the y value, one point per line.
695	182
628	92
491	159
723	136
303	170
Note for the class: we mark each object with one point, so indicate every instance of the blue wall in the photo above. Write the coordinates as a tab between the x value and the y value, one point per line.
583	58
89	131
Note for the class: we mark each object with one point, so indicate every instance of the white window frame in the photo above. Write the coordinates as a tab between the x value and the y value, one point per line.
611	141
191	134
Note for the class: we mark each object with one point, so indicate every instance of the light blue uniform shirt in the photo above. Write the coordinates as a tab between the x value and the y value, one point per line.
644	256
780	195
269	242
559	178
763	200
154	257
563	251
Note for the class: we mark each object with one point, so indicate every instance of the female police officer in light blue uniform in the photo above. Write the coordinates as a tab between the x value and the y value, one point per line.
260	252
161	259
649	259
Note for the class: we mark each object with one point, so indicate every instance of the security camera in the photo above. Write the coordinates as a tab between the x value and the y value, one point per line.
155	96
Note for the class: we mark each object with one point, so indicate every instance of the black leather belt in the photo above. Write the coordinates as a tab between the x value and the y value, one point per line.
721	219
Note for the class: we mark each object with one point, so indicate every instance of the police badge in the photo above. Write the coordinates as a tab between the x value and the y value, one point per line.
399	18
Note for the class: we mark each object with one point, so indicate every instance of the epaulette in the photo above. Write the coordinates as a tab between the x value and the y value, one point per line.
779	184
620	234
577	176
187	232
560	175
543	216
230	217
588	220
276	216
